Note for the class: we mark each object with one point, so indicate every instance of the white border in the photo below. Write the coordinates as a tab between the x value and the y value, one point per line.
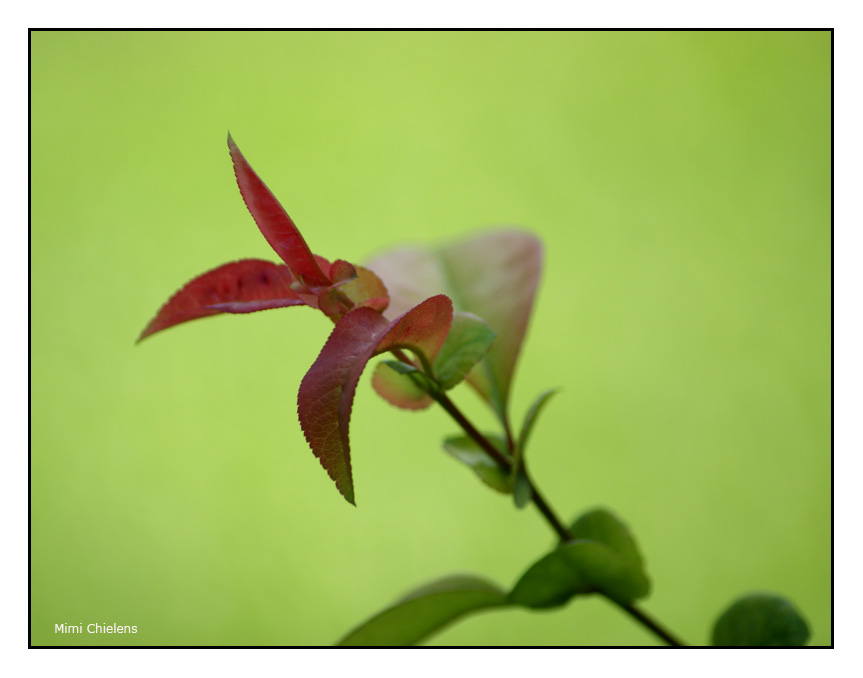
848	343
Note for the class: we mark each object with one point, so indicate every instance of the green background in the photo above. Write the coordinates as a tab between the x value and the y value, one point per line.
681	185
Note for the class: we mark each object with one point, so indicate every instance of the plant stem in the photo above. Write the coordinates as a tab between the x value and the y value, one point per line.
651	624
548	513
539	501
444	401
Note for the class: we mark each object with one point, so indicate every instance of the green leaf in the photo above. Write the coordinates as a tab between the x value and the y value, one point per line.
425	611
603	526
407	387
468	341
400	367
531	416
466	450
761	620
602	558
553	579
578	567
521	491
493	275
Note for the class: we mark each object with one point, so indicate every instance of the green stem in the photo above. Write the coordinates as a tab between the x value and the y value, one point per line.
547	512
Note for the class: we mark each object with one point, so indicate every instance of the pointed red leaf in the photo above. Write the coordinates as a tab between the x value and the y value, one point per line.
327	391
239	287
275	224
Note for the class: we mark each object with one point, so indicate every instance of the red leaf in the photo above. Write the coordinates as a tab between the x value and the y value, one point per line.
239	287
327	391
274	222
399	389
342	271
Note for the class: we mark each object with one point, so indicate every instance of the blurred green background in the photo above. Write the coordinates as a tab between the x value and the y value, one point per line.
681	184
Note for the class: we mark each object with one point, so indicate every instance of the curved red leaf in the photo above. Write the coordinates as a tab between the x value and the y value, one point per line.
275	224
239	287
327	391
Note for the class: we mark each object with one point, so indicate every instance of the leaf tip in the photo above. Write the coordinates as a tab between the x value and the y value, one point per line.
347	491
148	331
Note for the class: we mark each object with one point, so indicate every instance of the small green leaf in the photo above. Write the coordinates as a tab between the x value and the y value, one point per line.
553	579
425	611
532	414
466	450
761	620
468	341
400	367
603	558
521	491
603	526
578	567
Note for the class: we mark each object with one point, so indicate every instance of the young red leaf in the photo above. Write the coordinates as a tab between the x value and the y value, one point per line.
327	391
353	287
341	271
275	224
399	388
493	275
421	330
239	287
366	289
